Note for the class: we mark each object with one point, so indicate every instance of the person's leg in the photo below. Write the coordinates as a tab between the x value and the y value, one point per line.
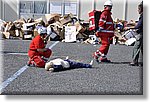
104	48
45	55
74	64
31	54
142	52
136	52
96	55
105	45
39	62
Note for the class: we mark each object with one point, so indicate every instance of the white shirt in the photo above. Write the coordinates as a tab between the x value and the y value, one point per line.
59	61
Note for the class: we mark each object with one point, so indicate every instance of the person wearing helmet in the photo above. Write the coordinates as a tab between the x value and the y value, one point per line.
105	32
37	50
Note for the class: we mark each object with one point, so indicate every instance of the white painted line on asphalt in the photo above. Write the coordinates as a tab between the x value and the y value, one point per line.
14	76
16	53
21	70
53	44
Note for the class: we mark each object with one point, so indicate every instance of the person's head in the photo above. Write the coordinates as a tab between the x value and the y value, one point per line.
49	66
43	32
140	8
108	5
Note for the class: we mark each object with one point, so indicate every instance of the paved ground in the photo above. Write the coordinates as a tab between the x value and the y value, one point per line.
113	78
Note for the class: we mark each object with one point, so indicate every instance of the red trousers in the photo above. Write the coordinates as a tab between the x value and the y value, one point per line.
105	43
36	57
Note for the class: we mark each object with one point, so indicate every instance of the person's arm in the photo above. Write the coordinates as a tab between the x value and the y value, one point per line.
102	21
127	28
137	26
42	50
40	46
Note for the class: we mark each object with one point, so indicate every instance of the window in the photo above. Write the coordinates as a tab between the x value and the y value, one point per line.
56	7
71	7
26	7
33	8
39	7
63	7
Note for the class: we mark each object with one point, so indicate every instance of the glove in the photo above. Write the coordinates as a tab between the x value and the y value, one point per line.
99	29
45	41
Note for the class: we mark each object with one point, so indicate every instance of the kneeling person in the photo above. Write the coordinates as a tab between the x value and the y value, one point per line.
37	51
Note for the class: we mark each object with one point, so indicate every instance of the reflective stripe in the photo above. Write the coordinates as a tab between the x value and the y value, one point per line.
102	20
109	23
101	27
107	31
91	17
91	25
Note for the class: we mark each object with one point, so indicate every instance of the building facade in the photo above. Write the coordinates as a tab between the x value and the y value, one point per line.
15	9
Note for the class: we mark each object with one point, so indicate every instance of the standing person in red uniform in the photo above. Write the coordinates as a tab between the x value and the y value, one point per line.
37	51
105	32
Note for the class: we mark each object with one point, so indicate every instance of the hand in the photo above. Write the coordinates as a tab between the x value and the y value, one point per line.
97	34
99	29
45	42
46	49
126	28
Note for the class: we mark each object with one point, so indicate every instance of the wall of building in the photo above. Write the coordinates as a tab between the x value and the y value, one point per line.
132	9
1	9
120	9
10	9
85	7
88	5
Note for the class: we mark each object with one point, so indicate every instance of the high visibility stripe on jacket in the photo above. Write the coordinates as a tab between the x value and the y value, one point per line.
106	22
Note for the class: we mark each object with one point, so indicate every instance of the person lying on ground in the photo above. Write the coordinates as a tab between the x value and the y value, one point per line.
60	64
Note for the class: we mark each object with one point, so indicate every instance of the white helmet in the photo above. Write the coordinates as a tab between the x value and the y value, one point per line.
42	30
108	3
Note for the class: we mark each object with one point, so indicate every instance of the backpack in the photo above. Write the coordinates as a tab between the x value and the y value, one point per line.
94	17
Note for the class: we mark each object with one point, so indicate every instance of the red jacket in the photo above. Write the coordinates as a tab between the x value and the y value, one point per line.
106	23
36	43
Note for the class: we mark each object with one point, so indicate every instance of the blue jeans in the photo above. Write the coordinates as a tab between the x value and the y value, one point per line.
74	64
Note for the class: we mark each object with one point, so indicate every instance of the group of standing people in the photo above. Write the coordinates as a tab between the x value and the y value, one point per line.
38	53
106	32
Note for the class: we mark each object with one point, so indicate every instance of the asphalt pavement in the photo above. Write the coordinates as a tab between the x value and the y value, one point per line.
116	78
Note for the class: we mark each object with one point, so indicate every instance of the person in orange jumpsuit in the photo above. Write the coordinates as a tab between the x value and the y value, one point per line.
38	53
105	32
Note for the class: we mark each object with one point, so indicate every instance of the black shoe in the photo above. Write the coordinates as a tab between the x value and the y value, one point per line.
105	60
97	60
140	64
31	64
133	64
